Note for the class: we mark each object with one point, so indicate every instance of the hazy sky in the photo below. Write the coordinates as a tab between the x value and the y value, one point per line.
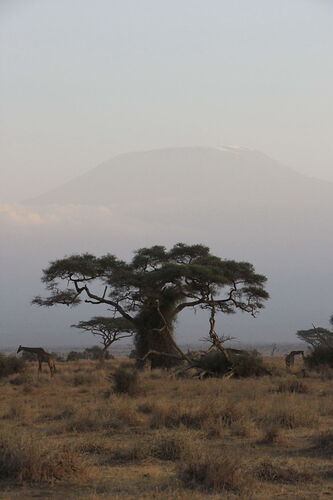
83	80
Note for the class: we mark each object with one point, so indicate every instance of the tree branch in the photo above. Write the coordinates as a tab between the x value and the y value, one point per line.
102	300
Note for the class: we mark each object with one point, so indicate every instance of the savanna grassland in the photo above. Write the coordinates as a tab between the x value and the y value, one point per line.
74	437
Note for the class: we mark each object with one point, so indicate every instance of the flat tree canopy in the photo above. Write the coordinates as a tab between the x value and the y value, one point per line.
151	290
317	337
109	330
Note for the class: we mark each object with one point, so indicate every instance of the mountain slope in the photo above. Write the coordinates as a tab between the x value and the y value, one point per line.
189	175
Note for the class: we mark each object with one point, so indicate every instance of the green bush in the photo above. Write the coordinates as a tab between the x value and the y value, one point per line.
214	362
244	364
10	365
249	364
320	356
125	379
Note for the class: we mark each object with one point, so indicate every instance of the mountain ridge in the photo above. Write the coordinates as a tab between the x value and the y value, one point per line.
167	171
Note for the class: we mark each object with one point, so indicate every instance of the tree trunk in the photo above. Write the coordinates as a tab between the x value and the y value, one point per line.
152	334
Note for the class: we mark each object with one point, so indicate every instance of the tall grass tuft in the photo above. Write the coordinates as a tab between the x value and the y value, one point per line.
24	459
212	470
125	380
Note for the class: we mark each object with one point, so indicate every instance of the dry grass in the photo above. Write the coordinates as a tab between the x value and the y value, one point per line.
176	438
292	385
282	472
216	470
24	459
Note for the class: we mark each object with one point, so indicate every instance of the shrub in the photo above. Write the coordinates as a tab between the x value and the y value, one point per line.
213	361
24	459
249	364
10	365
320	356
273	435
244	364
95	352
212	470
169	445
125	379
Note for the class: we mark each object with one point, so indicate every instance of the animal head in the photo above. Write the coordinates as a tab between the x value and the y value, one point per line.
19	349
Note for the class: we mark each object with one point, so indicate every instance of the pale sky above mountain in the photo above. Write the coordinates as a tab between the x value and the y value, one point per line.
82	81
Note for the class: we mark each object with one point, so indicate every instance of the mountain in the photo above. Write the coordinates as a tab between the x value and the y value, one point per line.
208	176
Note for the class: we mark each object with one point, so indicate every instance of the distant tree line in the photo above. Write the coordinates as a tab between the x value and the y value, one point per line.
95	353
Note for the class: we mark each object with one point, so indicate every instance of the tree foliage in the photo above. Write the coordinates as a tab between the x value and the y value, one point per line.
109	330
154	287
317	337
320	341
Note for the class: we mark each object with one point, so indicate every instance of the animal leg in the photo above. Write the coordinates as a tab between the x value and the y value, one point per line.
49	362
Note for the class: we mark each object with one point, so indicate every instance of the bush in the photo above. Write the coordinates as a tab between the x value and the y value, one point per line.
249	364
244	364
168	446
96	353
10	365
125	379
320	356
214	362
212	470
24	459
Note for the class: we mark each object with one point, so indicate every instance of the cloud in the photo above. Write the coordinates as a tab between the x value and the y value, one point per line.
23	217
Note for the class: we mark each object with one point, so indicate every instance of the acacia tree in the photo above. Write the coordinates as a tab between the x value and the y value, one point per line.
317	337
152	289
109	330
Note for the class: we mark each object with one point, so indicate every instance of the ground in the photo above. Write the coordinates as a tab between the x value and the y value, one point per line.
175	438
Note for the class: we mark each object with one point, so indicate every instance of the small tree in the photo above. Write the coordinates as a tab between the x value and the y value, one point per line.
317	337
109	330
320	341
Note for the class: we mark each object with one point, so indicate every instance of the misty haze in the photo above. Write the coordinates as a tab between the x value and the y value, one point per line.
166	206
241	203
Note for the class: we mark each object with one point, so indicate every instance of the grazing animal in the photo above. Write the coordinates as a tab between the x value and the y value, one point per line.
41	356
290	358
